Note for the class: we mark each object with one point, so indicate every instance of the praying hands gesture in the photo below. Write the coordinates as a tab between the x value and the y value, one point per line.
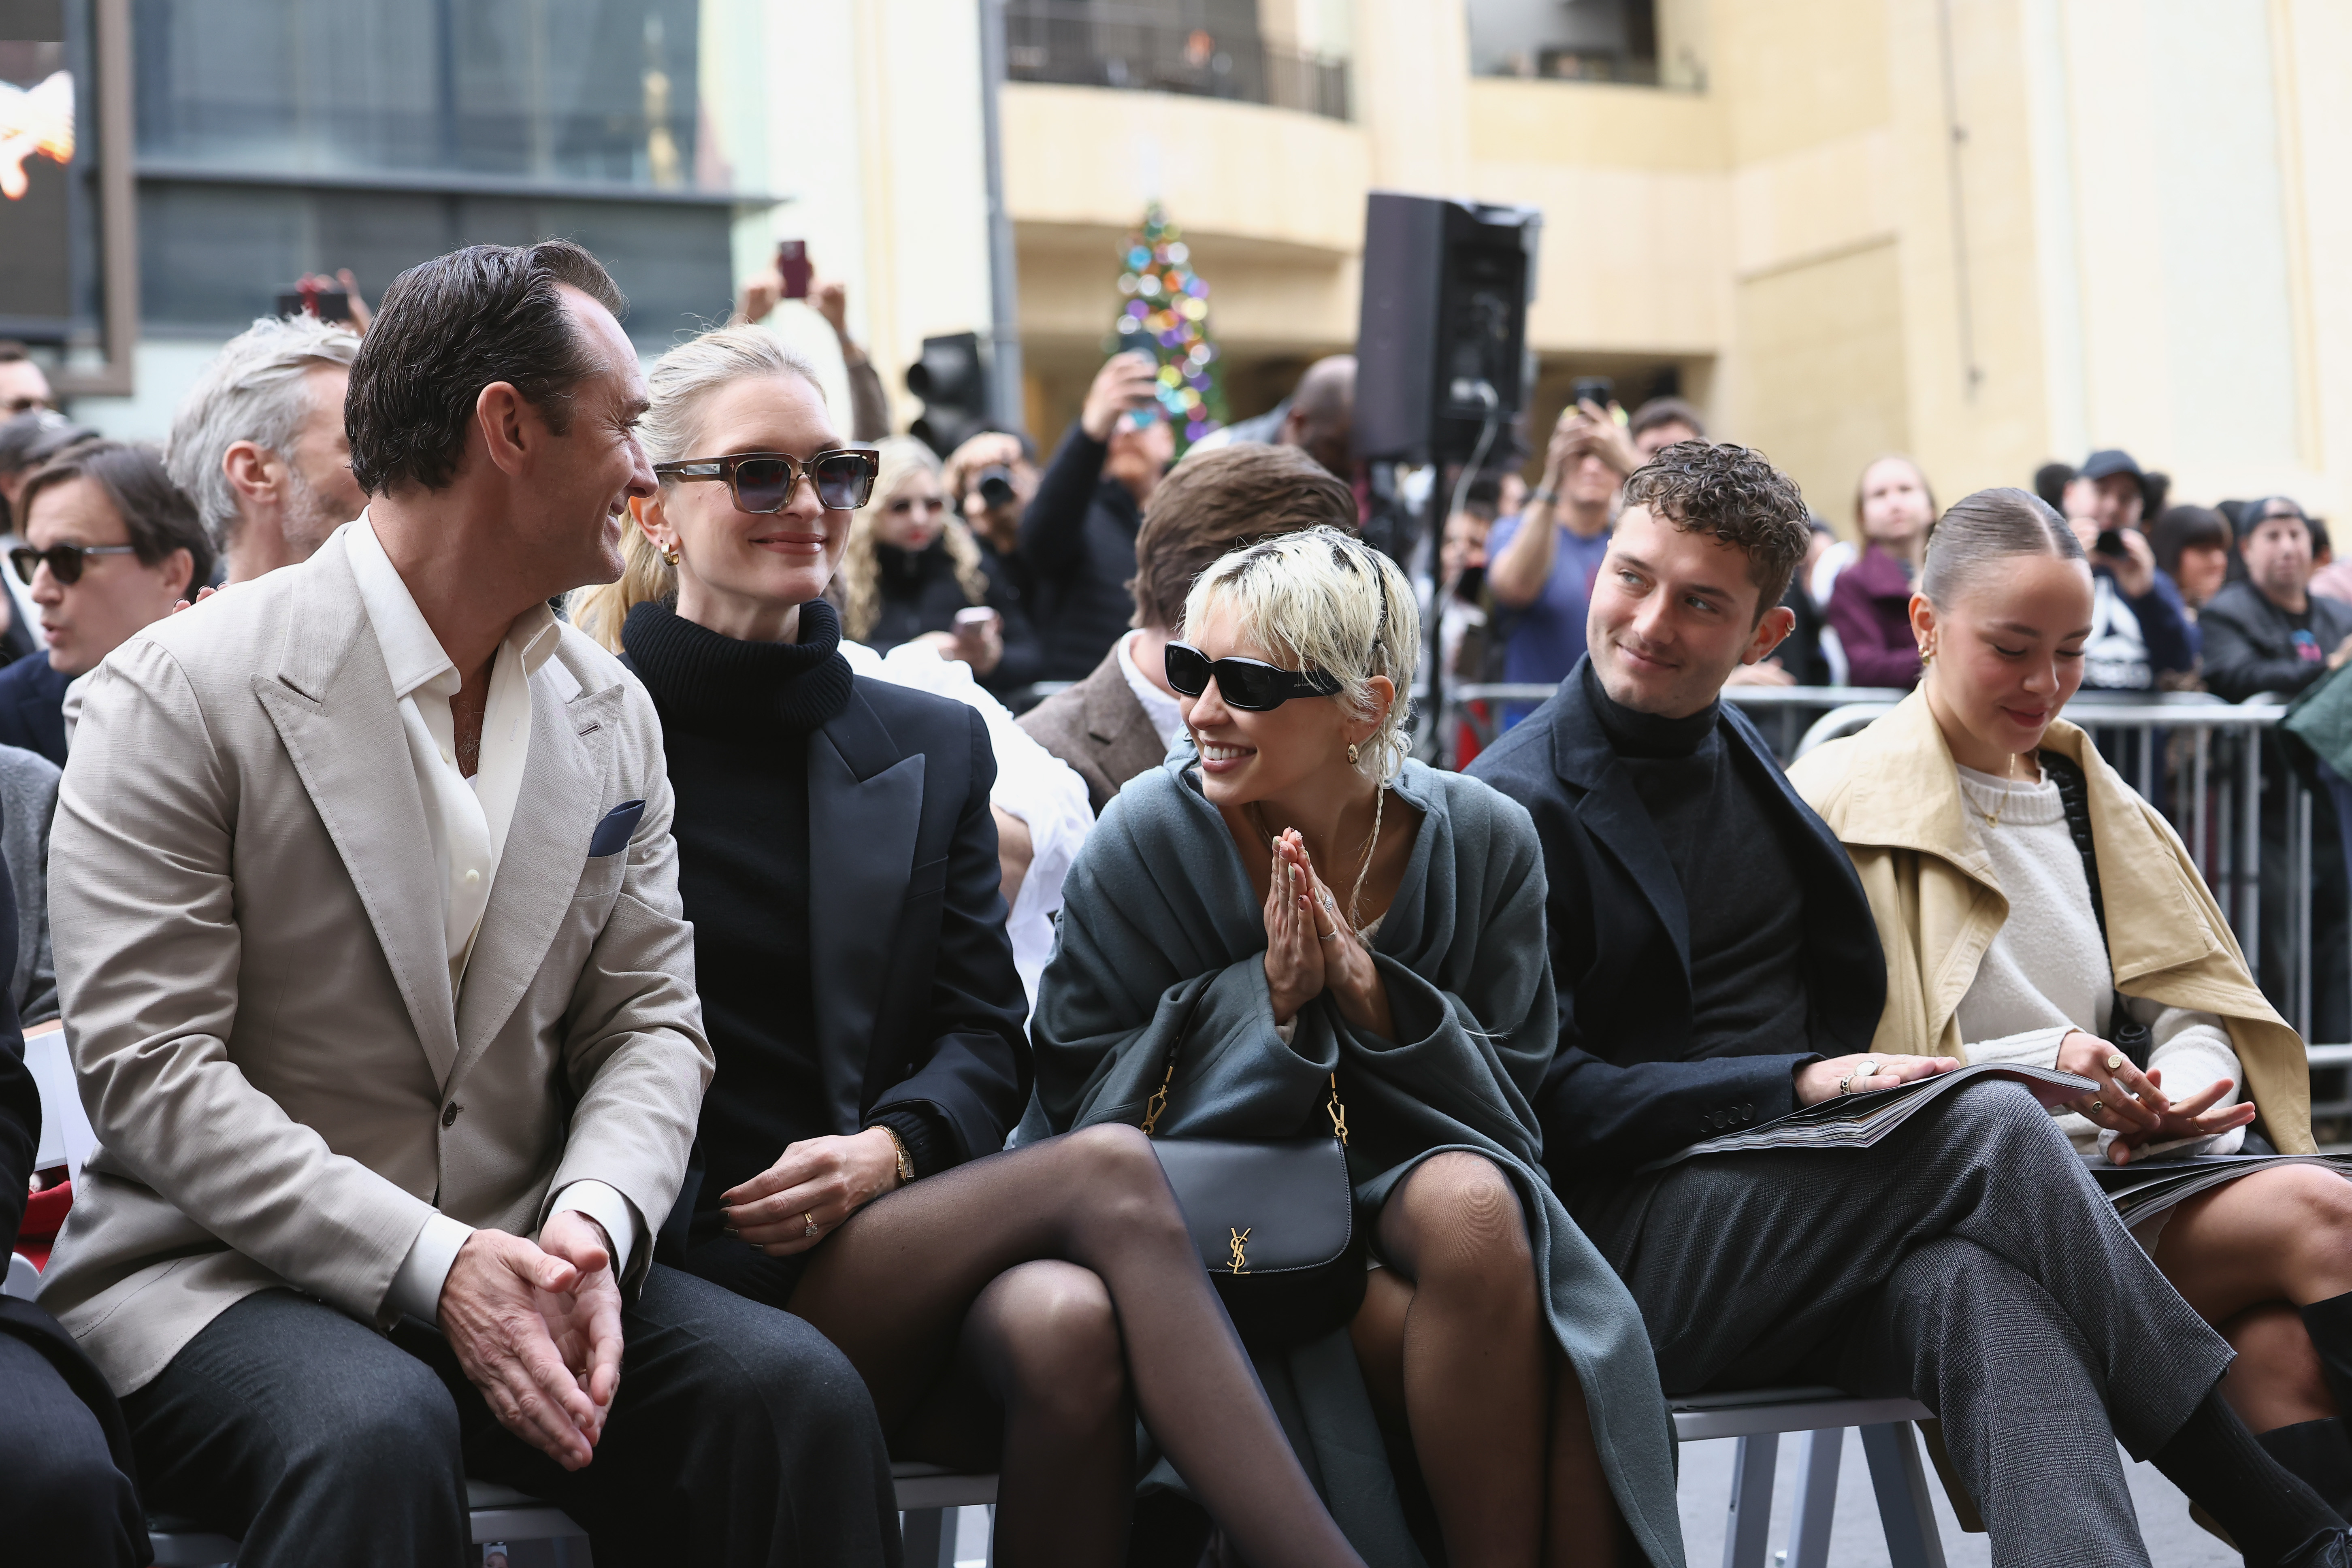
538	1329
2133	1104
1310	948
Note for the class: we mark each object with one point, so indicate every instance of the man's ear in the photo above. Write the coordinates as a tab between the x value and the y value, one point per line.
1778	623
513	430
252	470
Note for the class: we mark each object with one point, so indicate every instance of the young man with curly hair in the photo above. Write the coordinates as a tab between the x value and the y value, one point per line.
1718	968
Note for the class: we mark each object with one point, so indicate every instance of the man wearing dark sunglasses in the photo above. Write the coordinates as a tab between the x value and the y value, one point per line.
414	836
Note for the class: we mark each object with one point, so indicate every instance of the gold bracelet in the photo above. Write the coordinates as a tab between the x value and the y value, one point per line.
906	1161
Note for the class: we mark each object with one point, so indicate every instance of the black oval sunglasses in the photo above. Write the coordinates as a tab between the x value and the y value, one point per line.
1249	684
65	561
764	481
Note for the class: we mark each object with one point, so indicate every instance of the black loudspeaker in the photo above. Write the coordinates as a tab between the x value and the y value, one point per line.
1442	343
951	378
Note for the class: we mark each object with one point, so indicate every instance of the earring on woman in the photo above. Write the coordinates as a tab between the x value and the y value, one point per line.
1353	750
670	554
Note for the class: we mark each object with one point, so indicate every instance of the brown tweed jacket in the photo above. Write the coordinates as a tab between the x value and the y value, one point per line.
1098	728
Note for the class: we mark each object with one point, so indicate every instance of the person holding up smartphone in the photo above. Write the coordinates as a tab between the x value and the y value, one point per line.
794	276
1540	564
2140	632
1078	534
912	573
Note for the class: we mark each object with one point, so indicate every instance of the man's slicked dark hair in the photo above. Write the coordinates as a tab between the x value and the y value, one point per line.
1732	494
449	326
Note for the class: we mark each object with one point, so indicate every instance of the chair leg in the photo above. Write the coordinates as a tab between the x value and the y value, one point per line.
1905	1507
929	1534
1746	1533
1817	1479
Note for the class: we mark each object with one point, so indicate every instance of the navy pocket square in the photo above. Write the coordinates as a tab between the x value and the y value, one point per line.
614	833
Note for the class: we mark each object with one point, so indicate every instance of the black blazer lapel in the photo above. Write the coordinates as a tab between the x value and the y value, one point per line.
1608	810
865	808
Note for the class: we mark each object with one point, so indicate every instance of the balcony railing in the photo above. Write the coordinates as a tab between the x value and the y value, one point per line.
1109	47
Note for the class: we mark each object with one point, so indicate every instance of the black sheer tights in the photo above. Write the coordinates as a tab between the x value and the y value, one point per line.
1035	1290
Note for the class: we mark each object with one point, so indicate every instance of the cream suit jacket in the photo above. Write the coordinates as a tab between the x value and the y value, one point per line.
256	987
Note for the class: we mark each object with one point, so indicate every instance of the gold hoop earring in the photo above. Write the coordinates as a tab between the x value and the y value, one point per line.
670	555
1353	753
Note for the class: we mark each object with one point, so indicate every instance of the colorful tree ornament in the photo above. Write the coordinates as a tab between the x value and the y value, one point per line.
1166	315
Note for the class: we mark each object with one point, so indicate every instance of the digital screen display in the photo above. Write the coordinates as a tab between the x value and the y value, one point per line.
39	119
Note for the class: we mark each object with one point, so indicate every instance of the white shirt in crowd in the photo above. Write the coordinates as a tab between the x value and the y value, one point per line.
2047	971
1167	715
465	823
1032	784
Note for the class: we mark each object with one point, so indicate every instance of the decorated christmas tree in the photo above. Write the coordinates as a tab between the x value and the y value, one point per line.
1167	313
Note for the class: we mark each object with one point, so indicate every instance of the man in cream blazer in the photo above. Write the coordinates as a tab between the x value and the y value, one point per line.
383	1006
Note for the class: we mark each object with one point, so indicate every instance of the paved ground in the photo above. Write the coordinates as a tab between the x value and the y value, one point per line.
1856	1541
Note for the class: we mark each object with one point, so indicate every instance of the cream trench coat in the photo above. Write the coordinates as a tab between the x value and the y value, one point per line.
1892	795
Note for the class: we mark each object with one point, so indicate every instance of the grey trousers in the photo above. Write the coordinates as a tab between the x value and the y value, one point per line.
739	1436
1970	1262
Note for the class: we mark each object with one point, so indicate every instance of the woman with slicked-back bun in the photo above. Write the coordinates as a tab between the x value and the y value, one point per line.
2035	911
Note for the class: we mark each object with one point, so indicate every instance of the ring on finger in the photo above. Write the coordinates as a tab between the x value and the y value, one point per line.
2097	1106
2115	1062
808	1223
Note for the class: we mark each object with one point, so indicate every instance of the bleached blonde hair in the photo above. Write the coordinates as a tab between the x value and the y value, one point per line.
680	383
1323	601
858	584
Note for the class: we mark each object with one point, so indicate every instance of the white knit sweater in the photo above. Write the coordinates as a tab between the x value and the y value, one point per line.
2047	972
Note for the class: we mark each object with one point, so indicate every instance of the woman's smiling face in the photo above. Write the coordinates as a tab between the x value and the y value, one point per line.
2008	652
757	558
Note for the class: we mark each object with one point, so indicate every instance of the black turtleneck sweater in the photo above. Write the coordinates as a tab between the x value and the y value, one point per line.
1739	883
736	720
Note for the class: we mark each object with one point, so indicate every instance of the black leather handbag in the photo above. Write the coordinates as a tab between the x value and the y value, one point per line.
1274	1218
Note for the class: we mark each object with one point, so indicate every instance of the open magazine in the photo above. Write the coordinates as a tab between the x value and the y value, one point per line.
2145	1189
1859	1121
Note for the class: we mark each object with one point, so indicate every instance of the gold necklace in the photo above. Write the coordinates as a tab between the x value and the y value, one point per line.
1992	817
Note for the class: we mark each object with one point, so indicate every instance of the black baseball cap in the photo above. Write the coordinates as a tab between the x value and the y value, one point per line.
2253	514
2108	460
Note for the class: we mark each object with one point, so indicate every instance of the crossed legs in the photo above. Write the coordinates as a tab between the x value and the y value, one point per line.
1032	1293
2280	1236
1455	1354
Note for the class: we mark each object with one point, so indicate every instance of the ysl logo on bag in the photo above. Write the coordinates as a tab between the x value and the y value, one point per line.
1240	1263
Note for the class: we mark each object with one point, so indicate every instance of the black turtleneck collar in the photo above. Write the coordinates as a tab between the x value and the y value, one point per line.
1634	734
706	681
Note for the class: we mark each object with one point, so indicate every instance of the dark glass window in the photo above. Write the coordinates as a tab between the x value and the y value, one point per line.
594	90
212	257
282	137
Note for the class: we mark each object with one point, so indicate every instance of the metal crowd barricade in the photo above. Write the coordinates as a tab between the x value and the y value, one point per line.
2196	758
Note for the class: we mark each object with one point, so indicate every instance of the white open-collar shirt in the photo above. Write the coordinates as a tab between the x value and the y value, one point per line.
466	821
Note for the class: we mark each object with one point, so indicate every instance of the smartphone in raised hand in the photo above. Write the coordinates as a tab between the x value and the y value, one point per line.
793	265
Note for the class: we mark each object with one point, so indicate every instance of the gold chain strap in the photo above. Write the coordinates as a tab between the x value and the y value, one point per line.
1158	1100
1333	1108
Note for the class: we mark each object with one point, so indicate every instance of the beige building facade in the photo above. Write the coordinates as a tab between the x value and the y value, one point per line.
1987	232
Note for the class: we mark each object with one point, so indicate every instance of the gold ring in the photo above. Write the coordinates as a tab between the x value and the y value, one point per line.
2098	1105
2115	1062
808	1223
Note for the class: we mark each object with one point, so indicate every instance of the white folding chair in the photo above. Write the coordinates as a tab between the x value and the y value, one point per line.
928	1497
1757	1419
